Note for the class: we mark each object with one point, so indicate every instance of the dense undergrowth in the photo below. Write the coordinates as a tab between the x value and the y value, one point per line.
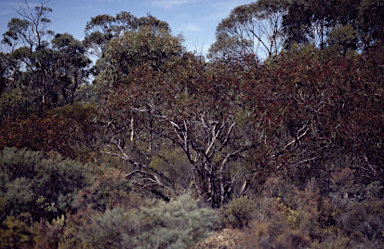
165	148
292	158
51	202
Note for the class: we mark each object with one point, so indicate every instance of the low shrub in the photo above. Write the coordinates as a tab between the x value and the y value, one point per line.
238	212
179	223
44	185
363	219
110	189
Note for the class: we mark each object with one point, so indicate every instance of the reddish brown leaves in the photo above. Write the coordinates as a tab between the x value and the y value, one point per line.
41	133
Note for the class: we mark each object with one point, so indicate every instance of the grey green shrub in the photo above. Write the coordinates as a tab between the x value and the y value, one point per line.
43	185
179	223
238	212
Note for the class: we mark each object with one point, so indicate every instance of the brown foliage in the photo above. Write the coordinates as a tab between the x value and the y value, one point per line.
45	133
315	106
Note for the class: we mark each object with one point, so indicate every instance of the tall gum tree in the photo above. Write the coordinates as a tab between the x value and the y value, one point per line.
319	110
254	28
160	99
42	73
266	28
30	31
102	28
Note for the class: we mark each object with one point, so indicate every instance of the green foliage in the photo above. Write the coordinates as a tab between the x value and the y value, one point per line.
42	73
22	232
46	78
272	26
43	185
135	49
82	118
245	30
174	165
3	71
177	224
109	190
238	213
103	28
87	93
309	219
18	232
15	103
31	30
305	127
156	110
343	38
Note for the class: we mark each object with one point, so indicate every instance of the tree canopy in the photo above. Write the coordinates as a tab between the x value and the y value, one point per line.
103	28
251	28
272	26
164	147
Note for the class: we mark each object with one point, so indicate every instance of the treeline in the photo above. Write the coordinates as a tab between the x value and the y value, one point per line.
165	147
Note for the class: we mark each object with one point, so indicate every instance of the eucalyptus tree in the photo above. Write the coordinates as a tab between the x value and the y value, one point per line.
3	71
43	73
271	26
251	28
103	28
360	22
173	119
49	77
25	36
31	29
72	69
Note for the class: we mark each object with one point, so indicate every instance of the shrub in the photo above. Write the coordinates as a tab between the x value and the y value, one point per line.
42	184
17	232
110	189
238	213
48	133
176	224
258	236
364	219
261	235
21	232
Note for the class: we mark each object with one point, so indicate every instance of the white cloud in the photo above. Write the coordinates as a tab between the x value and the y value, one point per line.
191	27
3	13
222	9
168	3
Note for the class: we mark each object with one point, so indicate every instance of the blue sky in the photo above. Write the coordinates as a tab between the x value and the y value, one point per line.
195	19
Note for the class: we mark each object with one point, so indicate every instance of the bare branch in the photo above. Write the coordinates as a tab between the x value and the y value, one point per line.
127	158
224	143
293	141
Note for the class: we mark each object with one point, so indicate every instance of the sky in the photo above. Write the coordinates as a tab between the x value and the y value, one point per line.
195	19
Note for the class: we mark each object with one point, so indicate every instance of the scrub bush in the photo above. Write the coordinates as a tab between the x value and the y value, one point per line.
44	185
179	223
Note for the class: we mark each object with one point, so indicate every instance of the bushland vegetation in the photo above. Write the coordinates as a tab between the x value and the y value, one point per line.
164	148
